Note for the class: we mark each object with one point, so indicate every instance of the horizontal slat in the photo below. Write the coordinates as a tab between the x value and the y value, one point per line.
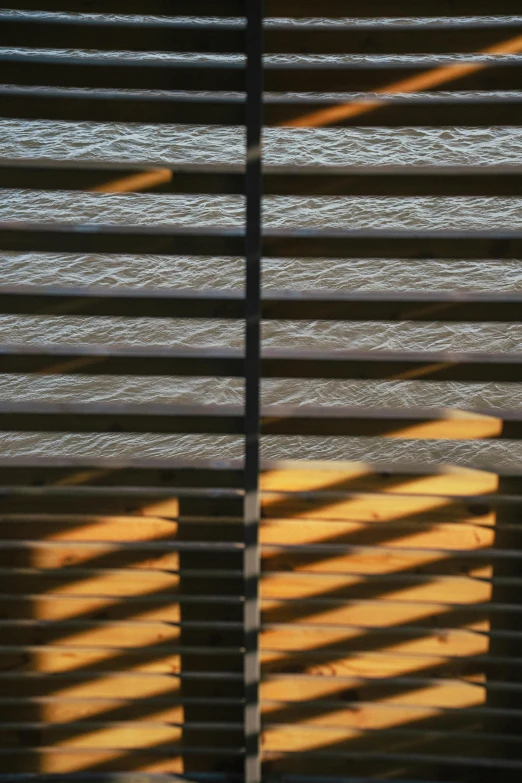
277	305
417	111
47	104
418	636
278	180
344	737
377	306
111	106
162	419
327	713
155	608
305	243
427	759
348	584
326	520
119	777
55	660
403	424
365	561
117	177
62	679
132	35
372	365
310	243
276	420
297	523
359	566
375	654
391	76
386	476
104	301
58	660
38	471
140	684
386	664
376	365
192	37
304	778
151	765
398	611
129	634
416	639
95	535
128	501
135	74
128	734
322	550
224	8
146	577
276	8
389	181
463	36
122	583
381	612
279	475
94	238
93	755
55	553
383	8
120	361
160	625
103	177
423	691
56	710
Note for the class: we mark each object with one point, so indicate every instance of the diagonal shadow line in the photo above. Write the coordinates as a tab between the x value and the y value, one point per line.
366	642
51	579
161	757
372	536
434	671
439	509
133	708
169	593
120	762
164	598
373	638
459	716
365	646
431	78
144	750
370	640
306	764
121	608
280	507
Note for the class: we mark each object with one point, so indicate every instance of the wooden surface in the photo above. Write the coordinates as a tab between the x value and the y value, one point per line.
377	609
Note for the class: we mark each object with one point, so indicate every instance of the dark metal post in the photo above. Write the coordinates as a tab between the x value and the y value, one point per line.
253	192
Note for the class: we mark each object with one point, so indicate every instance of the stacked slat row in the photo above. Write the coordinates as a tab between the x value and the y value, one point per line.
390	597
121	603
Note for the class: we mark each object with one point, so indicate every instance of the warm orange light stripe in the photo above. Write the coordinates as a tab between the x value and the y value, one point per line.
136	182
424	81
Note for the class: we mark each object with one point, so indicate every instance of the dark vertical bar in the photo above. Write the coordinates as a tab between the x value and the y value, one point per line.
505	642
253	192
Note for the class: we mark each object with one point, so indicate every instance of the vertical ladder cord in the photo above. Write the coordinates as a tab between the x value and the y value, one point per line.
253	192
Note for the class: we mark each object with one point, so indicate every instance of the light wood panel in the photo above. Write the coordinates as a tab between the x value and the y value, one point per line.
381	624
